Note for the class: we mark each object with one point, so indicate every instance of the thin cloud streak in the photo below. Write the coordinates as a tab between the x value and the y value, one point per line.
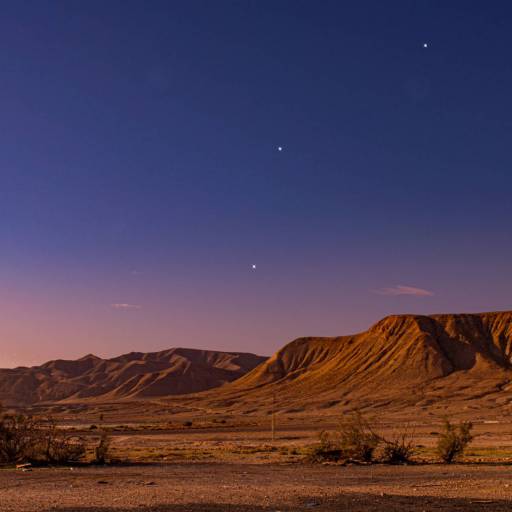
397	290
125	307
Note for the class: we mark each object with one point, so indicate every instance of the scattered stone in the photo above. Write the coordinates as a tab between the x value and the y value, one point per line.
24	466
102	482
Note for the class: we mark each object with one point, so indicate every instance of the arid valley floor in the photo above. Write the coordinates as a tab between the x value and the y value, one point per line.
236	466
252	488
192	430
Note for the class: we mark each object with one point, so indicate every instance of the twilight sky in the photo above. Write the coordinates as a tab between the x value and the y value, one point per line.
140	176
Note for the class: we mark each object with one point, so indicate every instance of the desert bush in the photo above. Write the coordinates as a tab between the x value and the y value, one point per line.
357	440
453	440
399	449
327	449
56	447
25	438
102	450
19	436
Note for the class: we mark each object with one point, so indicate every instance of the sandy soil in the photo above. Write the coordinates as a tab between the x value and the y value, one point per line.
234	467
253	444
249	487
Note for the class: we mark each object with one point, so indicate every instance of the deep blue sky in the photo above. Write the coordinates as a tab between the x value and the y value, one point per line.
139	166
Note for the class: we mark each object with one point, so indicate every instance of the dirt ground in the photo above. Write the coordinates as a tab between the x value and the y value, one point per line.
238	467
293	440
258	487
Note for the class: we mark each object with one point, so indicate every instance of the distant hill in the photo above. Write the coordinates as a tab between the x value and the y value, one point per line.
135	375
438	362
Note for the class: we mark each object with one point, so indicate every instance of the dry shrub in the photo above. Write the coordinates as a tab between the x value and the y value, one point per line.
56	447
357	440
327	449
454	440
25	438
400	448
18	437
102	450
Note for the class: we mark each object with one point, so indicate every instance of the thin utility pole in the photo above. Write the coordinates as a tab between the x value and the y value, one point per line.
274	417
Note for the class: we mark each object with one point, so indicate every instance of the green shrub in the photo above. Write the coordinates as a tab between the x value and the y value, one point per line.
453	441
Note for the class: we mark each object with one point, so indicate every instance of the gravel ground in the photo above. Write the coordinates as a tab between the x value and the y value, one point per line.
254	488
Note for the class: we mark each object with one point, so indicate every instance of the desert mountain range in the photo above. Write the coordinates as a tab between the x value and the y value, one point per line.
452	361
130	376
438	361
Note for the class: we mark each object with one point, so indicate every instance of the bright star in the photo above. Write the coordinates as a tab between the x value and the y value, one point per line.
253	267
425	45
279	148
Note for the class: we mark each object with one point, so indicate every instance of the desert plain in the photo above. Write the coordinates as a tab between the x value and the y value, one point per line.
242	437
237	466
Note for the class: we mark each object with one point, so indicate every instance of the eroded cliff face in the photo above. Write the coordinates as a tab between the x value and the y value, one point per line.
402	359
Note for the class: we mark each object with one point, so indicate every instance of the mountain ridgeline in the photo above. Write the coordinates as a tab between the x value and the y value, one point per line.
439	362
130	376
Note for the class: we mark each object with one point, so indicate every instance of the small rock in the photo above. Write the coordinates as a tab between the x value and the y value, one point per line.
102	482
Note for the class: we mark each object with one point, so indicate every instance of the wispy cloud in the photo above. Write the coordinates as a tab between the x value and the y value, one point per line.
125	307
394	291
